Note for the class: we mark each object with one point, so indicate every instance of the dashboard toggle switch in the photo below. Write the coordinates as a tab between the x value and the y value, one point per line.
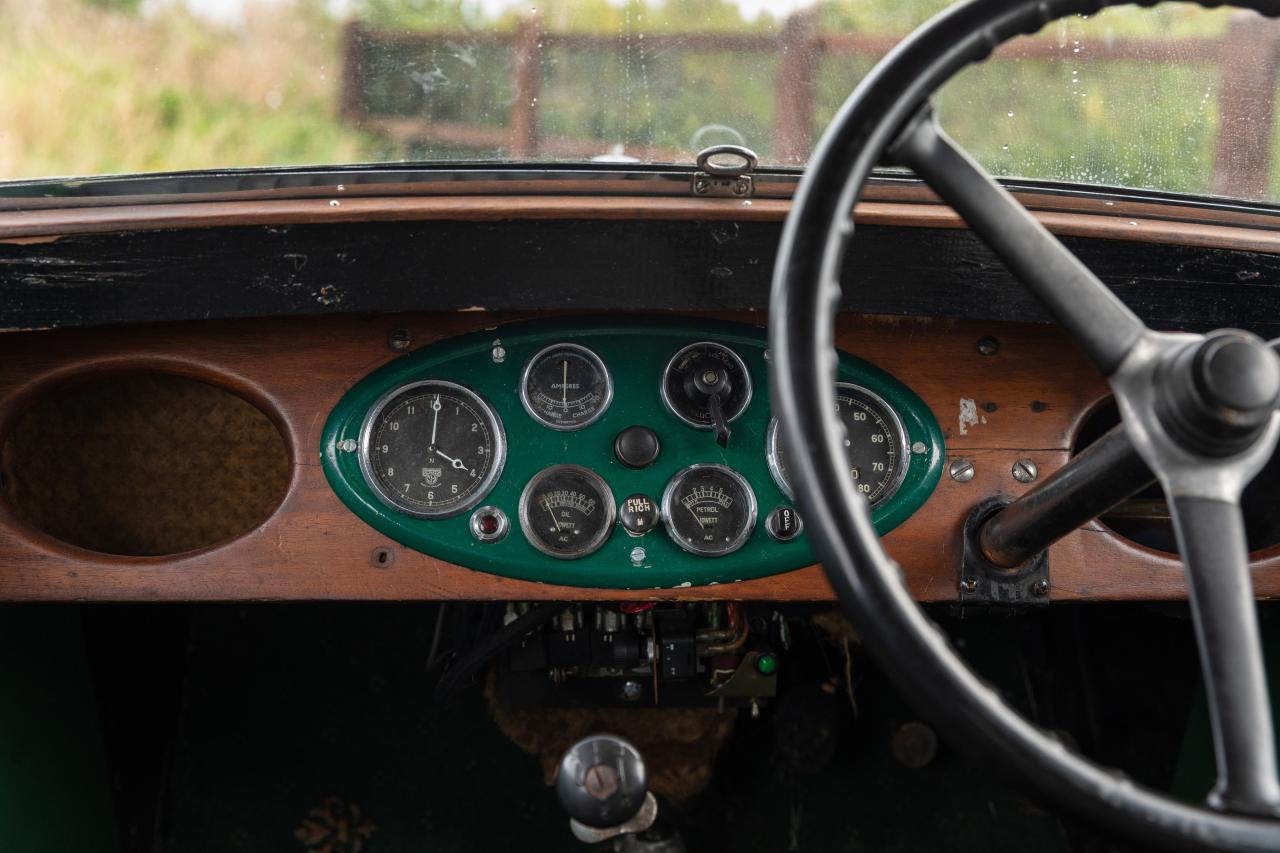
783	523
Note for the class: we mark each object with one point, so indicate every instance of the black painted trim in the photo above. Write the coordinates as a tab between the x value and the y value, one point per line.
595	265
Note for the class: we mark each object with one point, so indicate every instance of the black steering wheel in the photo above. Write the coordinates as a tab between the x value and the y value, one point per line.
1201	412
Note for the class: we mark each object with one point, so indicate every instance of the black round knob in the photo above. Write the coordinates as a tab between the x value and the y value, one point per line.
637	446
602	781
707	376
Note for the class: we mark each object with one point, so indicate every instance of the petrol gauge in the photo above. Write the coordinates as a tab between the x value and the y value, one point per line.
431	449
567	511
709	509
875	444
566	387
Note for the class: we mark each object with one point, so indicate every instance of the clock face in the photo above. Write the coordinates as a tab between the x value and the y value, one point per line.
432	449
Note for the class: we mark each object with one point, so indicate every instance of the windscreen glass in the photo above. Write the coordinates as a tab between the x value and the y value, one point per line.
1173	98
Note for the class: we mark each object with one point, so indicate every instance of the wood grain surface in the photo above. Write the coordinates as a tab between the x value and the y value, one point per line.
1031	397
910	207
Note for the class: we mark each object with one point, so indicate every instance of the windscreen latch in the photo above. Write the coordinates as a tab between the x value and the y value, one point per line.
724	171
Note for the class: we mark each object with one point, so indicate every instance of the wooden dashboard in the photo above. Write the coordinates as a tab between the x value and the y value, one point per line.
238	264
1031	396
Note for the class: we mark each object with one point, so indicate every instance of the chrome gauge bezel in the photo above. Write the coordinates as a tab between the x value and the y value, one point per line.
668	497
591	356
742	367
481	491
596	542
902	445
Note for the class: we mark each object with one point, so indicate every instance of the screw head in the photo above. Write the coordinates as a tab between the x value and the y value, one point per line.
919	447
638	554
601	781
1040	589
701	185
740	187
1025	471
399	340
499	353
987	345
961	470
969	584
631	691
348	445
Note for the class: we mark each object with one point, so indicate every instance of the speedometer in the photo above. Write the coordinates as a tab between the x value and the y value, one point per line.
875	444
431	449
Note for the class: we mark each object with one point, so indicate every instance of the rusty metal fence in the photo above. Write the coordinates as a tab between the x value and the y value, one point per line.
1248	55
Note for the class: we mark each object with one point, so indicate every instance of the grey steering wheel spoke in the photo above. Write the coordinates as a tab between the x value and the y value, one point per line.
1203	481
1211	539
1100	323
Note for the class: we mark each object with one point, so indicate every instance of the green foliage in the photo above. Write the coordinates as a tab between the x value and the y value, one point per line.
116	5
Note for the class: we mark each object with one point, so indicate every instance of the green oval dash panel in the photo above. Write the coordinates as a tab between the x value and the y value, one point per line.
635	351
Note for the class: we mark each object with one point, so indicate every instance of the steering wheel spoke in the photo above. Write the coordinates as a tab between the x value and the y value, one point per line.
1211	539
1101	324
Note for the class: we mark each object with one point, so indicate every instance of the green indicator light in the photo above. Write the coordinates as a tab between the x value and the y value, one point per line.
766	664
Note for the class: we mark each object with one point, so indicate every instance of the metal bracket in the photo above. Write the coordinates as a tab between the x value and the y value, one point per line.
639	822
983	583
717	178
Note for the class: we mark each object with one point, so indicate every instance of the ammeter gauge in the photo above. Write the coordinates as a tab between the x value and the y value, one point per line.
566	387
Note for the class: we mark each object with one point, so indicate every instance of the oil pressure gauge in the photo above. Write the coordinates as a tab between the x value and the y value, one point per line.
566	387
709	510
567	511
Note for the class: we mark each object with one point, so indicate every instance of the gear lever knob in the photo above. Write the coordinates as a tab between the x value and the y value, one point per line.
602	781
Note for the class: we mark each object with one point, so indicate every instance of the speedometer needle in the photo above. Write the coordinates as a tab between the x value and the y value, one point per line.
564	381
456	463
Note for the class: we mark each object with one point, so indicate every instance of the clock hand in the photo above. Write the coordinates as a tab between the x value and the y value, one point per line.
435	421
456	463
564	381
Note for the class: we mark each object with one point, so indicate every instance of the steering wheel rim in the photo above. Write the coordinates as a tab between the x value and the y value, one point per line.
804	303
